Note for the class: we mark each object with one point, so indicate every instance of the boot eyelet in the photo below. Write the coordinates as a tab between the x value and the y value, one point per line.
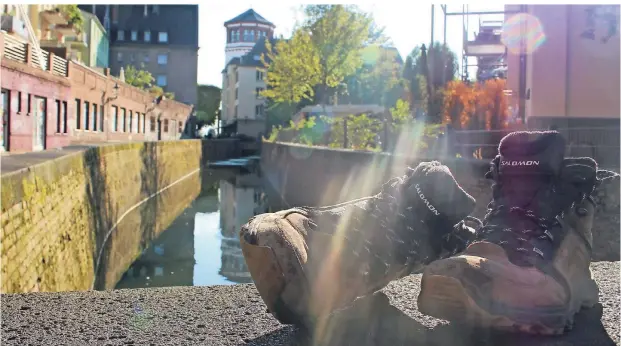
581	211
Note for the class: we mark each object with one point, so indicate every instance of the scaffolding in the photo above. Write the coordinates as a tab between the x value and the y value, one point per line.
487	47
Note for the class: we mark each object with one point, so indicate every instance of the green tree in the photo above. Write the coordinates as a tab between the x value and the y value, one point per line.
143	79
438	63
442	66
208	102
293	69
140	78
338	33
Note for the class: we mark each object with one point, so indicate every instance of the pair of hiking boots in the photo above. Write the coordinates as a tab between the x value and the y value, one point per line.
524	267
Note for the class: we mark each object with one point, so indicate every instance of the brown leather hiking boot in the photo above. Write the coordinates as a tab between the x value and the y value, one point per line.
528	268
308	262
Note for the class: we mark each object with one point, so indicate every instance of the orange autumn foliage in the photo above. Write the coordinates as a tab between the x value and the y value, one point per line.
480	106
459	104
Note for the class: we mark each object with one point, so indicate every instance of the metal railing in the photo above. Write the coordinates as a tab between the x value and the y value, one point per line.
15	49
41	64
599	143
59	66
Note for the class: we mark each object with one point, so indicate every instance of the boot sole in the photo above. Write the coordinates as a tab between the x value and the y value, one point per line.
446	298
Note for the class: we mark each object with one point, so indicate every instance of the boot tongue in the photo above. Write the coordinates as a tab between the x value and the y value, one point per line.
531	153
527	162
436	194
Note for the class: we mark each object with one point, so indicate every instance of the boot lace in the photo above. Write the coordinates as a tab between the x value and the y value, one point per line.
535	233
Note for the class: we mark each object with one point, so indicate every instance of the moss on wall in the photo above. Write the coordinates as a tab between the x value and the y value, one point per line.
56	215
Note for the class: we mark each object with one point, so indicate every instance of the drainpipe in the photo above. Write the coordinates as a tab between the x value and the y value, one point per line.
567	58
522	71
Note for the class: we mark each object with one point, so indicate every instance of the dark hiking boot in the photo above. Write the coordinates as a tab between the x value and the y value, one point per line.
528	268
308	262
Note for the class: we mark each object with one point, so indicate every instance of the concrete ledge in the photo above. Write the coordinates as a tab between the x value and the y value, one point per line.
235	315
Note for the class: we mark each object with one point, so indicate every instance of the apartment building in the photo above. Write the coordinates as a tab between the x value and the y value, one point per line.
572	65
162	38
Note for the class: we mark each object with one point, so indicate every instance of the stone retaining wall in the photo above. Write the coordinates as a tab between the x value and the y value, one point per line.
315	176
56	216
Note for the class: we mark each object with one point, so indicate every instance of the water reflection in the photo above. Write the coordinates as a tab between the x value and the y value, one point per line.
201	247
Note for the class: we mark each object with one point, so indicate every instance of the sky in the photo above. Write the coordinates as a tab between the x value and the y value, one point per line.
407	27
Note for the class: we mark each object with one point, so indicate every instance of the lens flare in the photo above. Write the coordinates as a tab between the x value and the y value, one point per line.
523	33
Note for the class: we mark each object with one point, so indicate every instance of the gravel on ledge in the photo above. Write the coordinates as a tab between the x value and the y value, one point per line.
235	315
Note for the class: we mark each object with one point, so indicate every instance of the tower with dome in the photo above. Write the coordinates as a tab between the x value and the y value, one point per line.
243	76
243	31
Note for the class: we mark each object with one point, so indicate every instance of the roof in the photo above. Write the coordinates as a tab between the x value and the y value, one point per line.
253	57
249	16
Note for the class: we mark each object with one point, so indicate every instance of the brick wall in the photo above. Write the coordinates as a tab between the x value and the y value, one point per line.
55	216
23	81
319	176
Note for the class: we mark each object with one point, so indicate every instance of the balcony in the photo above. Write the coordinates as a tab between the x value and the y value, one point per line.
77	42
67	30
14	26
54	17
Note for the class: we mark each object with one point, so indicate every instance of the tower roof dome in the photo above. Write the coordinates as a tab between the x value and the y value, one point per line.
249	16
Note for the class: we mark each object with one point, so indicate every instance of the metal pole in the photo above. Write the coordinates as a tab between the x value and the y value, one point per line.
522	73
345	144
444	12
444	55
433	20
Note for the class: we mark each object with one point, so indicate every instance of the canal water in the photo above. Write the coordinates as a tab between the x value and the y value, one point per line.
201	247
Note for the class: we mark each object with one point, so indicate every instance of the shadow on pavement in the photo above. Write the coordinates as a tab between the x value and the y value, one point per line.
374	321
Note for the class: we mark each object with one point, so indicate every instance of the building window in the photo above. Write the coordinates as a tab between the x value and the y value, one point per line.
236	35
131	121
162	37
144	125
19	102
101	118
120	35
115	14
134	35
86	114
58	116
132	57
162	59
252	37
161	80
147	36
259	90
165	125
258	110
119	56
180	126
95	122
138	122
147	58
115	119
65	129
124	119
29	104
259	76
152	124
78	114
